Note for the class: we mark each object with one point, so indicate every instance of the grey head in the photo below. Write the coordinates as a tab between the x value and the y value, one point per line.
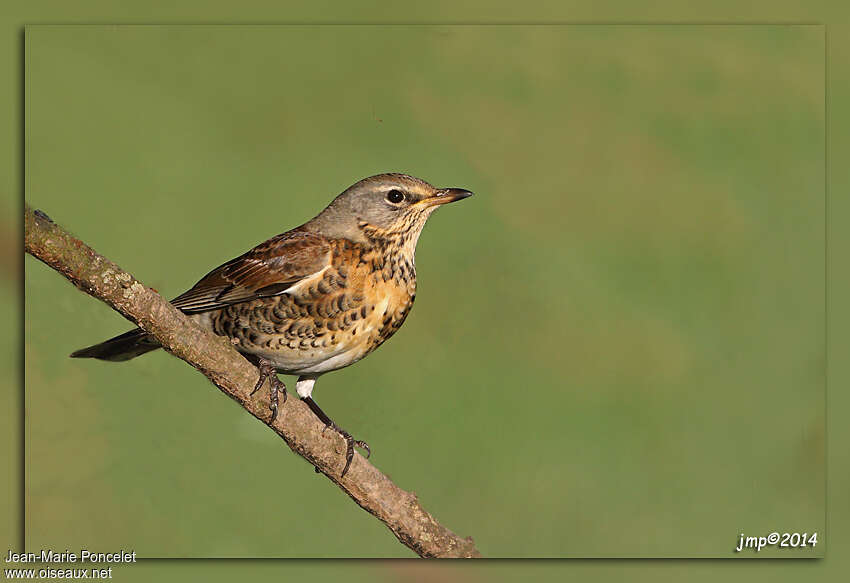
385	206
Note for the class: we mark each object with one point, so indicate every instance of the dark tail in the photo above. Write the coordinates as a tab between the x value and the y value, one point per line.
124	347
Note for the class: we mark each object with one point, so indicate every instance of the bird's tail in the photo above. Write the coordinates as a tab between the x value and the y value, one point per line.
124	347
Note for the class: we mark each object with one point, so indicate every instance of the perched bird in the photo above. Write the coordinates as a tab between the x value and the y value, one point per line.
317	298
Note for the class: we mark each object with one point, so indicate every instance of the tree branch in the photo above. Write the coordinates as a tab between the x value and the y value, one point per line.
216	359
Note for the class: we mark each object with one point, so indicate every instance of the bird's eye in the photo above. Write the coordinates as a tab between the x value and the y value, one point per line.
395	196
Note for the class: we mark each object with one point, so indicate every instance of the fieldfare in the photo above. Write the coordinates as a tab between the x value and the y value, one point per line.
317	298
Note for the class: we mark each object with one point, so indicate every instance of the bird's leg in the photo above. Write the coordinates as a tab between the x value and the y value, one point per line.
350	442
267	371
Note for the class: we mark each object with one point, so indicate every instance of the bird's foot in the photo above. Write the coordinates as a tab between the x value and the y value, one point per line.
276	386
350	442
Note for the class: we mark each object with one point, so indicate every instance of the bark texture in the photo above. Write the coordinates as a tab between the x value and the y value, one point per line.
216	359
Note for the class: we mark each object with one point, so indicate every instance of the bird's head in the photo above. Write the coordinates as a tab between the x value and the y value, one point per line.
386	206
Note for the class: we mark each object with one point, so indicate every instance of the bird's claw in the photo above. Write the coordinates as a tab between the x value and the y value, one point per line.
350	442
363	445
276	386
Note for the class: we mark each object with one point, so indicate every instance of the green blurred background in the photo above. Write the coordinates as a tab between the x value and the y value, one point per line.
618	345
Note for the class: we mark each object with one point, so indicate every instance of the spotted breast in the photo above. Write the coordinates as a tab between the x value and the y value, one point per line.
329	321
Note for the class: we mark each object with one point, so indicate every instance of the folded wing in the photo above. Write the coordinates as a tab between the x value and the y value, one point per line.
268	269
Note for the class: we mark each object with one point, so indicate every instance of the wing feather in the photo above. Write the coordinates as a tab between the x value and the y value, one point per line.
268	269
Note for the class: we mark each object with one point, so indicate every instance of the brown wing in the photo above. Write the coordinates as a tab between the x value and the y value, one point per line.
268	269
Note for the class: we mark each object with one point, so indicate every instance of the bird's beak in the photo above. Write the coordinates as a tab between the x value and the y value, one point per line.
446	195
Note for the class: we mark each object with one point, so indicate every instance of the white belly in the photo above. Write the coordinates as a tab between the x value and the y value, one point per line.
310	362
